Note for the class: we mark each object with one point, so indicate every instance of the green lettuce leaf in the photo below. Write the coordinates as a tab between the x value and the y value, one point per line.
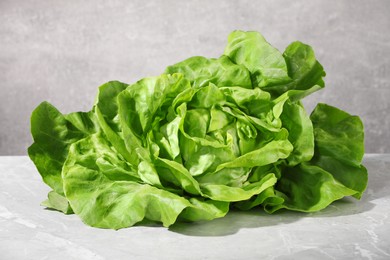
334	172
201	71
265	63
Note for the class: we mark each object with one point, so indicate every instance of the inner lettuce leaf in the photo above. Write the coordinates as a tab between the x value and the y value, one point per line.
207	135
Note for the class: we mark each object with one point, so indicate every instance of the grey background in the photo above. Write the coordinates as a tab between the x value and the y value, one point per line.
61	51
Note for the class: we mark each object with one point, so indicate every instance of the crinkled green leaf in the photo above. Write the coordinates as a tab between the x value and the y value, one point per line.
265	63
300	128
335	170
270	153
231	194
53	134
305	71
339	139
267	198
234	177
204	209
220	72
353	177
308	188
176	173
338	134
106	110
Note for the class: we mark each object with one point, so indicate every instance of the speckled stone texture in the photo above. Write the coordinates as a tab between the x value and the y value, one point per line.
61	51
347	229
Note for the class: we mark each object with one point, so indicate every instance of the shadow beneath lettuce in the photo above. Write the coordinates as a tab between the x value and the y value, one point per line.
234	221
378	187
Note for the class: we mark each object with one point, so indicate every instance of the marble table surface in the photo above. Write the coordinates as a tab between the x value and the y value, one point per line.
347	229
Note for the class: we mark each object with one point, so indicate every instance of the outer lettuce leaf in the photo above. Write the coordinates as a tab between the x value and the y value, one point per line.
304	70
339	146
232	177
333	173
52	135
308	188
267	198
254	102
353	177
338	134
220	72
268	154
265	63
177	174
300	128
106	109
204	209
231	194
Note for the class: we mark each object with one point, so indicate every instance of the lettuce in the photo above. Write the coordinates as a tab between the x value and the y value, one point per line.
206	136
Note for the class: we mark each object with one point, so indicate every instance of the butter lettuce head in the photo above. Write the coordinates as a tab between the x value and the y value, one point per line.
203	137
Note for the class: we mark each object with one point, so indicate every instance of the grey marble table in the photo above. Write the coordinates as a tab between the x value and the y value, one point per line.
347	229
